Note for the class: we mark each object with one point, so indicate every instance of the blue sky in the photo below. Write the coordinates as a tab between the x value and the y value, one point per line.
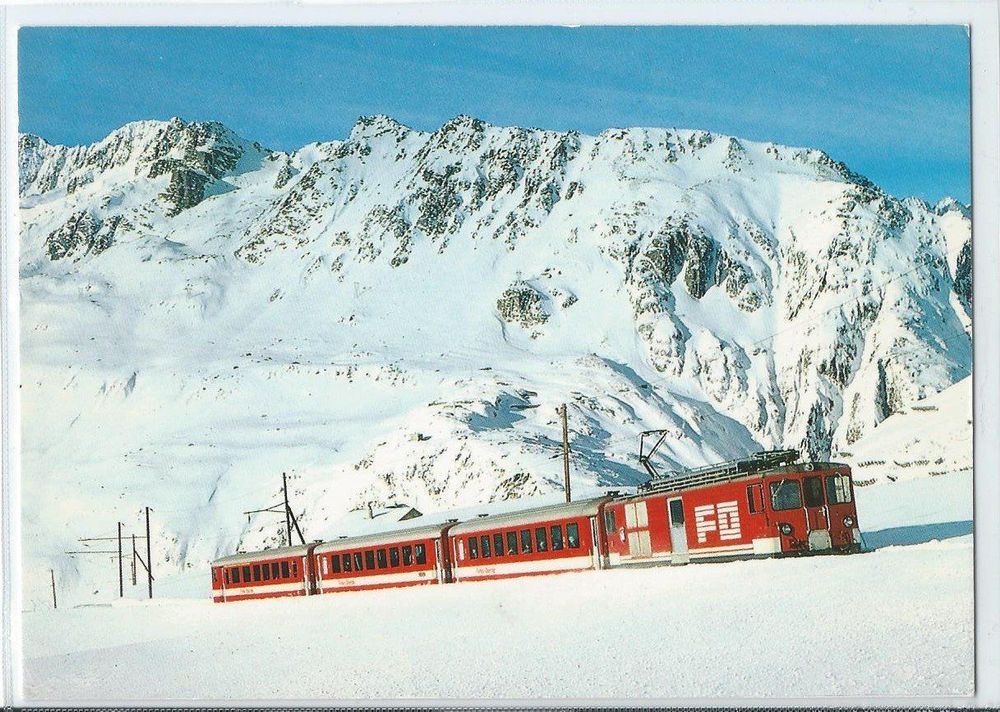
891	102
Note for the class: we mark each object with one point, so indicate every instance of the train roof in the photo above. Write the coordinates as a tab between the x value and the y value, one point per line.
279	553
705	476
584	507
387	537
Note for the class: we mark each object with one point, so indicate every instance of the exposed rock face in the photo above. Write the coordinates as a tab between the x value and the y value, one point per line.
82	234
522	304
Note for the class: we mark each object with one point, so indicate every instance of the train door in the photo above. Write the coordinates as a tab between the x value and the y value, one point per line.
595	545
817	513
678	532
637	522
308	576
438	565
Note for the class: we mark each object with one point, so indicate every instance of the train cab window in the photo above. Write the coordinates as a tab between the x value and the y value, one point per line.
573	535
473	547
838	489
275	569
265	571
609	521
335	563
813	491
346	561
557	541
326	565
785	494
215	576
498	544
420	551
755	499
407	555
370	559
512	543
525	541
383	562
236	574
394	557
484	545
542	539
246	574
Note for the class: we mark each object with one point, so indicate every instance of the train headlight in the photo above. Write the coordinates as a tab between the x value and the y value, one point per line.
848	521
785	528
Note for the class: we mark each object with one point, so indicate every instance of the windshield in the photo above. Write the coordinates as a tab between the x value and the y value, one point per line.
785	495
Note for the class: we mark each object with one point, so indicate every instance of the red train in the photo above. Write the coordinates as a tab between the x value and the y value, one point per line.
762	506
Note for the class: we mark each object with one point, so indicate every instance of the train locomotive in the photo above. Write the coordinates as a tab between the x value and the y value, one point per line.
766	505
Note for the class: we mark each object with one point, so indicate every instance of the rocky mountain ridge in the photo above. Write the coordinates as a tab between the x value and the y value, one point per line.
411	306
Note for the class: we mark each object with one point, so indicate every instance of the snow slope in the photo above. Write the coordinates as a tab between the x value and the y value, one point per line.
395	317
931	438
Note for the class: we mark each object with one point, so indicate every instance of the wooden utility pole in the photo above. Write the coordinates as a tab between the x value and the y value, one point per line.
133	559
288	519
149	556
121	578
52	575
565	439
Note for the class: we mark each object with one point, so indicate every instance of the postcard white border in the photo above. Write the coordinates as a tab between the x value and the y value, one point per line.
981	17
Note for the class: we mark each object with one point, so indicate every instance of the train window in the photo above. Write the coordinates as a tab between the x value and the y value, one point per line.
573	535
512	543
394	557
284	569
407	555
813	490
295	568
335	563
370	559
484	545
274	570
542	539
785	495
346	560
266	572
676	511
256	572
225	575
383	562
358	561
498	544
421	553
246	574
838	489
556	537
609	521
755	499
473	547
236	574
326	565
525	541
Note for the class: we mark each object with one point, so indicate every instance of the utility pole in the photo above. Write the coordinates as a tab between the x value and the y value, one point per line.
133	559
288	520
52	575
149	557
121	580
565	438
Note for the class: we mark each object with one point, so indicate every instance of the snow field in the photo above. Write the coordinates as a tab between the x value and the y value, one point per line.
898	621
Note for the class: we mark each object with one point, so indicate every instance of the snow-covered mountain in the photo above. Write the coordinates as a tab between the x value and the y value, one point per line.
396	316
